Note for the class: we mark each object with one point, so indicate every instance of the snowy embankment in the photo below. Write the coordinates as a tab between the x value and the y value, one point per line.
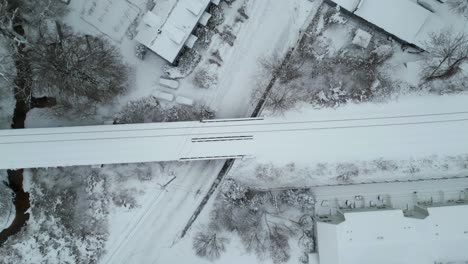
431	126
414	149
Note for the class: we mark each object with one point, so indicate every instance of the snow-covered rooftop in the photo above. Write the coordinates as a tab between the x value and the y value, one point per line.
166	28
401	18
387	236
111	17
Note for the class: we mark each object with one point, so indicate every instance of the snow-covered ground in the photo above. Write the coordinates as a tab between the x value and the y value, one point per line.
142	235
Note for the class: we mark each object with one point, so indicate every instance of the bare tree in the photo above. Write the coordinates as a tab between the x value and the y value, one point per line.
278	244
5	202
80	70
188	113
281	98
7	73
9	19
278	68
306	241
32	12
446	51
205	79
260	219
209	244
264	233
282	95
149	110
144	110
459	6
20	23
257	221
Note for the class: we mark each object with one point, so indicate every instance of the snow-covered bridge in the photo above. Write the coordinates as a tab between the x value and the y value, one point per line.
350	137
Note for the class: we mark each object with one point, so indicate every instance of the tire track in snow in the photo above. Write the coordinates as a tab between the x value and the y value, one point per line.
149	235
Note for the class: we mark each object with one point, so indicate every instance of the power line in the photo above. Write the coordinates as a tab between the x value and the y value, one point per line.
116	129
244	132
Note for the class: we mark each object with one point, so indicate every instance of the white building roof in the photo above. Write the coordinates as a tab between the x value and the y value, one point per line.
401	18
111	17
387	236
166	28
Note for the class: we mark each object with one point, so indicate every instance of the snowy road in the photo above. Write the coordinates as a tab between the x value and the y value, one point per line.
272	29
161	218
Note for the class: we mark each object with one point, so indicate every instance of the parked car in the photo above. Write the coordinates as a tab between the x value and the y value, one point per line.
184	100
169	83
163	95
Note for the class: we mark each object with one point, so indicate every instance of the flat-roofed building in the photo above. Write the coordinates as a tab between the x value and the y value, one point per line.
168	26
431	233
404	19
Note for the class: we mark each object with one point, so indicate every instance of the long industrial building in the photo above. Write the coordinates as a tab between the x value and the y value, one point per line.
427	234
